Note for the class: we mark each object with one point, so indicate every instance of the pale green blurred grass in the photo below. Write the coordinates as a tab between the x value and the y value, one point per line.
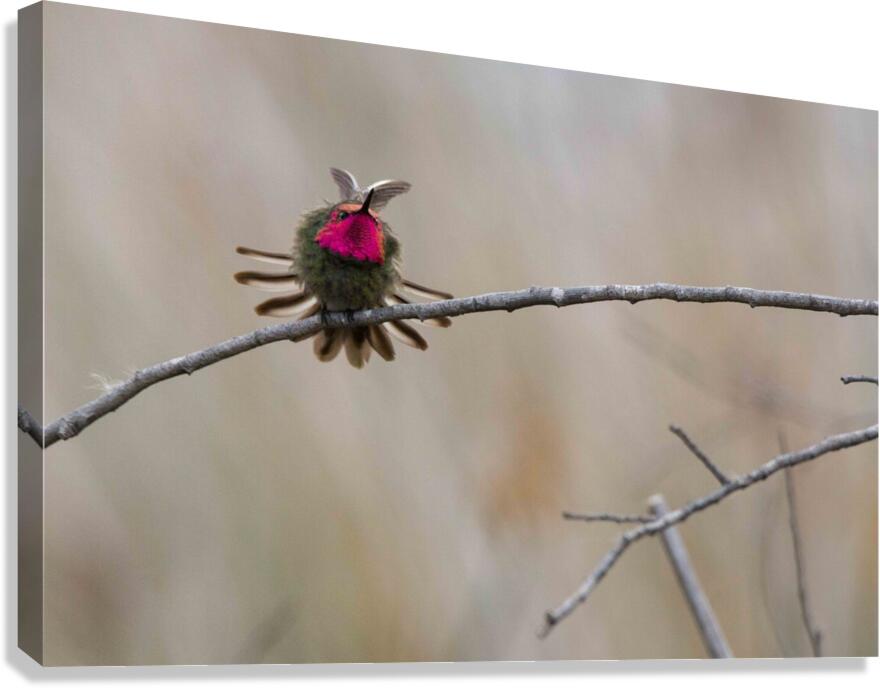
271	508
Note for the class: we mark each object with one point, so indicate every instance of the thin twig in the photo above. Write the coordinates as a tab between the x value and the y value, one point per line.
696	451
829	444
710	629
846	379
813	633
73	423
606	517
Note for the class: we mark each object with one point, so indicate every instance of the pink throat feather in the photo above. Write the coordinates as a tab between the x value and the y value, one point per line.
357	236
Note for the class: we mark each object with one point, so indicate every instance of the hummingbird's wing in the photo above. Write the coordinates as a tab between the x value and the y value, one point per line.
348	186
268	281
384	191
425	292
292	304
265	256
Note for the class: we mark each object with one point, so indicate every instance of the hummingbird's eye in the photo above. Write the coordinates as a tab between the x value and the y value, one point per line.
341	215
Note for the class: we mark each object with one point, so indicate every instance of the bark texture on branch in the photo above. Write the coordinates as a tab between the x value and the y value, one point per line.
74	422
28	424
785	460
849	379
607	518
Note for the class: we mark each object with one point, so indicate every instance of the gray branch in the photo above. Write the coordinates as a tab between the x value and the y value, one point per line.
73	423
607	518
710	629
696	451
27	423
847	379
785	460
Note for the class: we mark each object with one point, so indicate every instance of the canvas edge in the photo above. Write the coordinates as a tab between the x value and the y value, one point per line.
31	327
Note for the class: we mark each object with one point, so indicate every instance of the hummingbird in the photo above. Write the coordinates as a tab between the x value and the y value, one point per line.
344	258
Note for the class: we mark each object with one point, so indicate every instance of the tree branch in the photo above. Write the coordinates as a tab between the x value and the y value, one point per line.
696	451
710	629
73	423
27	423
607	518
785	460
847	379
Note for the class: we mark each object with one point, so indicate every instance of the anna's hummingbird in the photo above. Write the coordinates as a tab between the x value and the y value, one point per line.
344	258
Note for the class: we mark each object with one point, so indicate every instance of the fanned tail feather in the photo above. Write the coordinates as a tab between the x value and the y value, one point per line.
357	349
357	343
328	343
380	341
406	334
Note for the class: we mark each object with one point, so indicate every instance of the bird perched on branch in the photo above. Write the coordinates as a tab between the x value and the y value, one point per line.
344	258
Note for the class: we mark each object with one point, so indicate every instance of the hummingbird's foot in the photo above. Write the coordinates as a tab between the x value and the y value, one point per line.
324	313
332	318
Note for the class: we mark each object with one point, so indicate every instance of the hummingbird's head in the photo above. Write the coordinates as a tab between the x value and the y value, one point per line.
354	231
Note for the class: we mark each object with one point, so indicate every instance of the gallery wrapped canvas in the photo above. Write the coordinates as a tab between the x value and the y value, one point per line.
335	352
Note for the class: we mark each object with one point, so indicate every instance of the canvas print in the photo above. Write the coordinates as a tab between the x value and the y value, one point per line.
335	352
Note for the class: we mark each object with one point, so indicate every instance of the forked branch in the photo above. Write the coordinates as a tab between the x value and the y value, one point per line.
671	518
73	423
710	629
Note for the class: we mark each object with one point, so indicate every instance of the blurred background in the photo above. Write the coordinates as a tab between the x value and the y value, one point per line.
275	509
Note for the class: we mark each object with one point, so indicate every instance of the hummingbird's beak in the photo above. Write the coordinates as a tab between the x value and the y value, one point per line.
365	208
